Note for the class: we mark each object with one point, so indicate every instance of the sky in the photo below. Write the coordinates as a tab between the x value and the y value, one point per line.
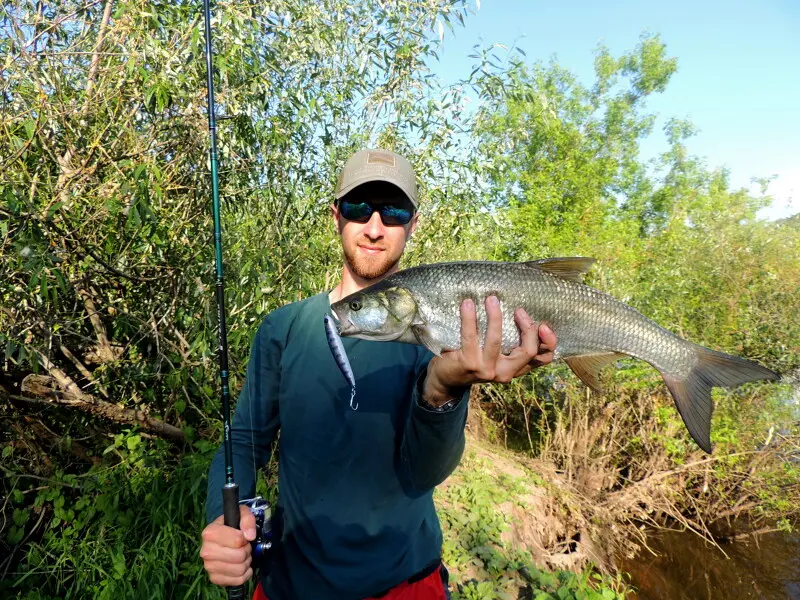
738	77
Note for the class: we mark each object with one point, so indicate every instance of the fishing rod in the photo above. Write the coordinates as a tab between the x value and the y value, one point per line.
230	491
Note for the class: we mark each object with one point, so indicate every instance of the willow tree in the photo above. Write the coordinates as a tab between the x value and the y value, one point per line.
105	229
106	316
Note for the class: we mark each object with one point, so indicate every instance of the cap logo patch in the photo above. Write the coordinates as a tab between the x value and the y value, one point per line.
380	158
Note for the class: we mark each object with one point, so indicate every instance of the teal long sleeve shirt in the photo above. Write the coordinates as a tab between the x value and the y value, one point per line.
355	513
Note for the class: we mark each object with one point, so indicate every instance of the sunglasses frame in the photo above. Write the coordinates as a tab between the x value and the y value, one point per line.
379	209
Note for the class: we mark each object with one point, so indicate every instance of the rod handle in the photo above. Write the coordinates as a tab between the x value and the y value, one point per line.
230	504
230	511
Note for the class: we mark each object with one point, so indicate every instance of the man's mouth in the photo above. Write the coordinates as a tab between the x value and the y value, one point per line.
368	249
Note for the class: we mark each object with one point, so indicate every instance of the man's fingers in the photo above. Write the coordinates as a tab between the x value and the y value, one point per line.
523	370
221	574
547	338
518	361
515	364
216	553
469	329
247	523
226	554
494	330
547	346
529	331
537	344
223	535
535	350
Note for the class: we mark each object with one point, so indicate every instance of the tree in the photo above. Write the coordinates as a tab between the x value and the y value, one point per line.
562	157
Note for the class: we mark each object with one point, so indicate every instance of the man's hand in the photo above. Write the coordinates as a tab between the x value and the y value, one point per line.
473	364
226	550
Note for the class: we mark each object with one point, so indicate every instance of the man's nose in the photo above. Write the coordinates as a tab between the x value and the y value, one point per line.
374	227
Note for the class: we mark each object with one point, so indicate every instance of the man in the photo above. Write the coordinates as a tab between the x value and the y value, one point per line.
355	518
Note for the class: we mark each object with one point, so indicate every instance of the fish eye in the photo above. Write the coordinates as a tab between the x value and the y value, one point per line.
355	305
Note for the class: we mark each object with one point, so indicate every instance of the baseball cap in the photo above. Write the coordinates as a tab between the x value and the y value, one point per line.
377	165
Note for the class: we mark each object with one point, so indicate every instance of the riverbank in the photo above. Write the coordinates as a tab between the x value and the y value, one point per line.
575	520
509	532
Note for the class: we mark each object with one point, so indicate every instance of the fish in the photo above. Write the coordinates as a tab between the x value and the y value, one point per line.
421	305
340	357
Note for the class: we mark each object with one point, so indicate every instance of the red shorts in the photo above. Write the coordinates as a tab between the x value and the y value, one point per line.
428	588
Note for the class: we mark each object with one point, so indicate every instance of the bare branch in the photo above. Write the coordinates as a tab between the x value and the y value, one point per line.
38	388
96	55
105	351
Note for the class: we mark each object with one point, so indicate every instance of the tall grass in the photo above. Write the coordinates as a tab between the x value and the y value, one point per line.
126	530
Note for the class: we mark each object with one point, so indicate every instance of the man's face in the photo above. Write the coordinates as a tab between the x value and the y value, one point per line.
373	248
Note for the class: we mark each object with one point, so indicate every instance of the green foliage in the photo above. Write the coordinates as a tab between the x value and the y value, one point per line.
126	528
672	239
106	266
559	155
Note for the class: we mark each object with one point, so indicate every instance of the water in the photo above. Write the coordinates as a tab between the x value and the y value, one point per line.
689	568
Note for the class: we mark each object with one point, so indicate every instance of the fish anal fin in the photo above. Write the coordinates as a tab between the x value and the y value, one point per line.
571	268
588	366
427	339
693	399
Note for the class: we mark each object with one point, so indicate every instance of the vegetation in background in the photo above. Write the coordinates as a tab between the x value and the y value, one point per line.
109	409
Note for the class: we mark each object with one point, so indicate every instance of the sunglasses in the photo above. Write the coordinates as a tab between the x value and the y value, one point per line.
361	212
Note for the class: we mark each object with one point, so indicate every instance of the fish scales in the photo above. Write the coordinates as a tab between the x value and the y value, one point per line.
587	320
421	306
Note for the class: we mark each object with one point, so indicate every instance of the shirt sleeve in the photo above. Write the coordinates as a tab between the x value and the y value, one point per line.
432	442
255	423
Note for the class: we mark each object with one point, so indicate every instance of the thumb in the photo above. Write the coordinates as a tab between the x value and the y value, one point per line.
247	523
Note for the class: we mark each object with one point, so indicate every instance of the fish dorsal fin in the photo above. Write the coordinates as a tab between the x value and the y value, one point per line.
571	268
588	367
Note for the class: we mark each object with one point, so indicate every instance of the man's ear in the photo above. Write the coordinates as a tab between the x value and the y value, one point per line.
414	223
337	222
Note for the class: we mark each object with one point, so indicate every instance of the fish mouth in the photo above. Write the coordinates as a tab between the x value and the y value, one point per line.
344	325
346	328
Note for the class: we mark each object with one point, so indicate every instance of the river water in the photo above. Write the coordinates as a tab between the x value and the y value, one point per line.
689	568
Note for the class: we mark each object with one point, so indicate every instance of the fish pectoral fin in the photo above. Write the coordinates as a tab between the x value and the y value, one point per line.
588	366
571	268
424	337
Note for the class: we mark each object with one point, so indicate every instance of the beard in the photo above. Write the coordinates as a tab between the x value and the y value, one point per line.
370	267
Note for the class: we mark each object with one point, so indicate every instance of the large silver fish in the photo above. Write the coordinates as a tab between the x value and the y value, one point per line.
421	306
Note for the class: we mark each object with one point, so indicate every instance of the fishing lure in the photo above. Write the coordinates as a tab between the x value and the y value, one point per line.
340	356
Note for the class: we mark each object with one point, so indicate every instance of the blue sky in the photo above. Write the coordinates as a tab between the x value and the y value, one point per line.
738	76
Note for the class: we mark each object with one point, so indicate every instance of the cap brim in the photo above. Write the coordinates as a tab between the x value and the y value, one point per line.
370	178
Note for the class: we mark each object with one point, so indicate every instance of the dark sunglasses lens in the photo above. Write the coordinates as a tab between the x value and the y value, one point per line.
360	212
395	215
356	211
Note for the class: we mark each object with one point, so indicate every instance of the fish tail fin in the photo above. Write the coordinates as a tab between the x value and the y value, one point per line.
692	394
